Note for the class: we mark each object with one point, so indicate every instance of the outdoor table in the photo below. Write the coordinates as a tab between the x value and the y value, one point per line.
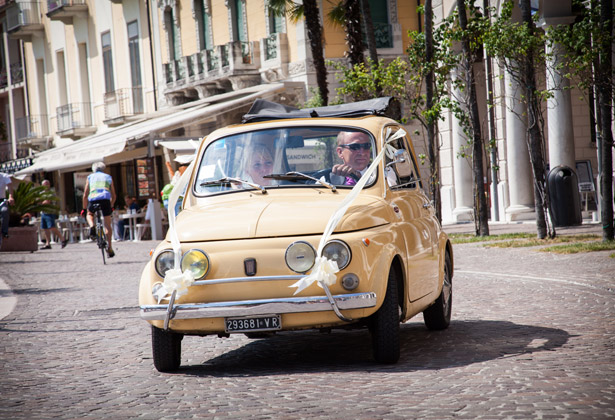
132	223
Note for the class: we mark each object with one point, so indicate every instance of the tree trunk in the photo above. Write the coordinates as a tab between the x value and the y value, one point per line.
354	40
605	99
431	130
480	200
535	140
366	15
314	31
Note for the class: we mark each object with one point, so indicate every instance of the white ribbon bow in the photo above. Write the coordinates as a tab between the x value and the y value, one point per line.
175	280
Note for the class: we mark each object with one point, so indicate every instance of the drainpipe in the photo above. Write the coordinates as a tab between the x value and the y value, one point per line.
151	52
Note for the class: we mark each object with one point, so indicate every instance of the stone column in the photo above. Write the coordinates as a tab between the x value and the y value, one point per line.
519	169
462	171
559	107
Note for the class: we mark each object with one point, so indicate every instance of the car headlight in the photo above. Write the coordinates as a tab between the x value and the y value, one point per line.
337	251
164	262
197	262
300	256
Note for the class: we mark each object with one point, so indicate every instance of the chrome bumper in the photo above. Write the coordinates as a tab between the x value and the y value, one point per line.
259	307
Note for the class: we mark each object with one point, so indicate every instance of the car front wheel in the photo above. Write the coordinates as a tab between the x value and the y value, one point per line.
385	325
438	315
166	349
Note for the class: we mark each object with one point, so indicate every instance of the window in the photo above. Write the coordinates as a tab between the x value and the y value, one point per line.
380	19
105	39
135	66
400	170
276	23
203	25
172	36
239	33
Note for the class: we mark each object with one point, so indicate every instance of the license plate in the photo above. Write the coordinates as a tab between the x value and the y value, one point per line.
261	323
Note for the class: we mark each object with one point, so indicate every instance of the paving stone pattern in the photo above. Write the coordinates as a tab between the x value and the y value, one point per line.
532	337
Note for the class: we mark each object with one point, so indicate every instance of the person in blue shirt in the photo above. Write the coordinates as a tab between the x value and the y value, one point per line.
99	190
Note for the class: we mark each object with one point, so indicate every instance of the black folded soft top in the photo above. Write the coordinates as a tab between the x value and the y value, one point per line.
263	110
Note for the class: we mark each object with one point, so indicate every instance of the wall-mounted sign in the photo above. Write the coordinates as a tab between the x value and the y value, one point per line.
146	182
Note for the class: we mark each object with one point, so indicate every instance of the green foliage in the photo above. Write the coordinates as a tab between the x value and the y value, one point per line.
294	10
29	199
315	101
580	43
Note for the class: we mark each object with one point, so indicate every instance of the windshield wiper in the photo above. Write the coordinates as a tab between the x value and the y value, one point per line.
231	180
294	176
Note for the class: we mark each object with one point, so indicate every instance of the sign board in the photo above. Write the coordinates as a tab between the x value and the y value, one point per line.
146	179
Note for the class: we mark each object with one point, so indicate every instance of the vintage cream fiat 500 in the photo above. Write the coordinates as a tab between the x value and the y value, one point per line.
299	219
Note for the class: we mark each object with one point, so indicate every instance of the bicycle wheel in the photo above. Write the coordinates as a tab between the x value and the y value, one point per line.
101	240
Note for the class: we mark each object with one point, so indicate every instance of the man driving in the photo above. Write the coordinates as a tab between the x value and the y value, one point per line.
354	149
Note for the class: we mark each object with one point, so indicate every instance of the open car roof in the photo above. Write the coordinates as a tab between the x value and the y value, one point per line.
263	110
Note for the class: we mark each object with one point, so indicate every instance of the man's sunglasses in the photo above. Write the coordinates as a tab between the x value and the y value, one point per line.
356	146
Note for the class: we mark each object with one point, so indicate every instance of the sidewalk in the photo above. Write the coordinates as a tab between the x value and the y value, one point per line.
526	226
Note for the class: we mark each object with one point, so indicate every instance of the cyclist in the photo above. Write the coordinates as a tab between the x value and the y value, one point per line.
99	191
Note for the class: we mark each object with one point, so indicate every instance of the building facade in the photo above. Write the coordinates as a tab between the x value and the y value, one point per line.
127	80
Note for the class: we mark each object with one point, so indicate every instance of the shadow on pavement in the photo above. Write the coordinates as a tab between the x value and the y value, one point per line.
464	343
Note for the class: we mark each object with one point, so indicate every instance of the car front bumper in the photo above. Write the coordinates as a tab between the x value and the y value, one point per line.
258	307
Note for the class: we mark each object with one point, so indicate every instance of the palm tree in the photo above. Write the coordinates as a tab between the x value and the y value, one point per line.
309	10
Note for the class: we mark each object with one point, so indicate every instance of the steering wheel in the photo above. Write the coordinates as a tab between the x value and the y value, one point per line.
323	172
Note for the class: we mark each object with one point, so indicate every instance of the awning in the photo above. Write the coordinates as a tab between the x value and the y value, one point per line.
94	148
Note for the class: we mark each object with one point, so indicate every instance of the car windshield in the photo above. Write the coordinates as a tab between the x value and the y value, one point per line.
284	157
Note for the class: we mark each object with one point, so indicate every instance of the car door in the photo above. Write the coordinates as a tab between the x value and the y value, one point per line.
416	219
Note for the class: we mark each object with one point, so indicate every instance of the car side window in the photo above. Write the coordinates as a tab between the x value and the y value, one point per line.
401	170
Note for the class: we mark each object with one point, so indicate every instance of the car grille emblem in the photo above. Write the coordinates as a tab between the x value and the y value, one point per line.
249	266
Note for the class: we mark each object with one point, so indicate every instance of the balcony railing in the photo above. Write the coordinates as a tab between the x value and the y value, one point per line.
224	52
23	14
271	47
211	60
16	73
123	103
74	116
31	127
383	33
65	10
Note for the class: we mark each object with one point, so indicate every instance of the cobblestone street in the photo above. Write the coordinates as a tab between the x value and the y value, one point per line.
532	336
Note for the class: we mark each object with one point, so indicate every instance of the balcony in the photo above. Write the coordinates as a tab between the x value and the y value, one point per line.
75	120
225	68
33	131
23	20
66	10
121	104
274	57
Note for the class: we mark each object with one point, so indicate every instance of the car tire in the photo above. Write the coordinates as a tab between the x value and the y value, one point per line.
166	349
438	315
385	325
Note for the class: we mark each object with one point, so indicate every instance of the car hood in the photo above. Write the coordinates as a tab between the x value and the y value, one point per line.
261	216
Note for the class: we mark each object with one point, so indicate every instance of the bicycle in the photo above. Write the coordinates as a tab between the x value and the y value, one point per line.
101	238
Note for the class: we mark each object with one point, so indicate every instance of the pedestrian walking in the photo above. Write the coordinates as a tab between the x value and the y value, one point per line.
5	202
48	222
99	191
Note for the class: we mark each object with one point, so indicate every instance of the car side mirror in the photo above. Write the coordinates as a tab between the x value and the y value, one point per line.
401	162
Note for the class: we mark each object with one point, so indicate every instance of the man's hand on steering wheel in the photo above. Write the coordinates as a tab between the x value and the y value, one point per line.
345	170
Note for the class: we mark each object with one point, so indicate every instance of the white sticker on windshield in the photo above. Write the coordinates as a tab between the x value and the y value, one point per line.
207	171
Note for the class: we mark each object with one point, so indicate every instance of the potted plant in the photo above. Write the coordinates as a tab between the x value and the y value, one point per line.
29	200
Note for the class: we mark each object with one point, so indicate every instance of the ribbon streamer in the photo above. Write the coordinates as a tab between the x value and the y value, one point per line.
174	278
324	269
